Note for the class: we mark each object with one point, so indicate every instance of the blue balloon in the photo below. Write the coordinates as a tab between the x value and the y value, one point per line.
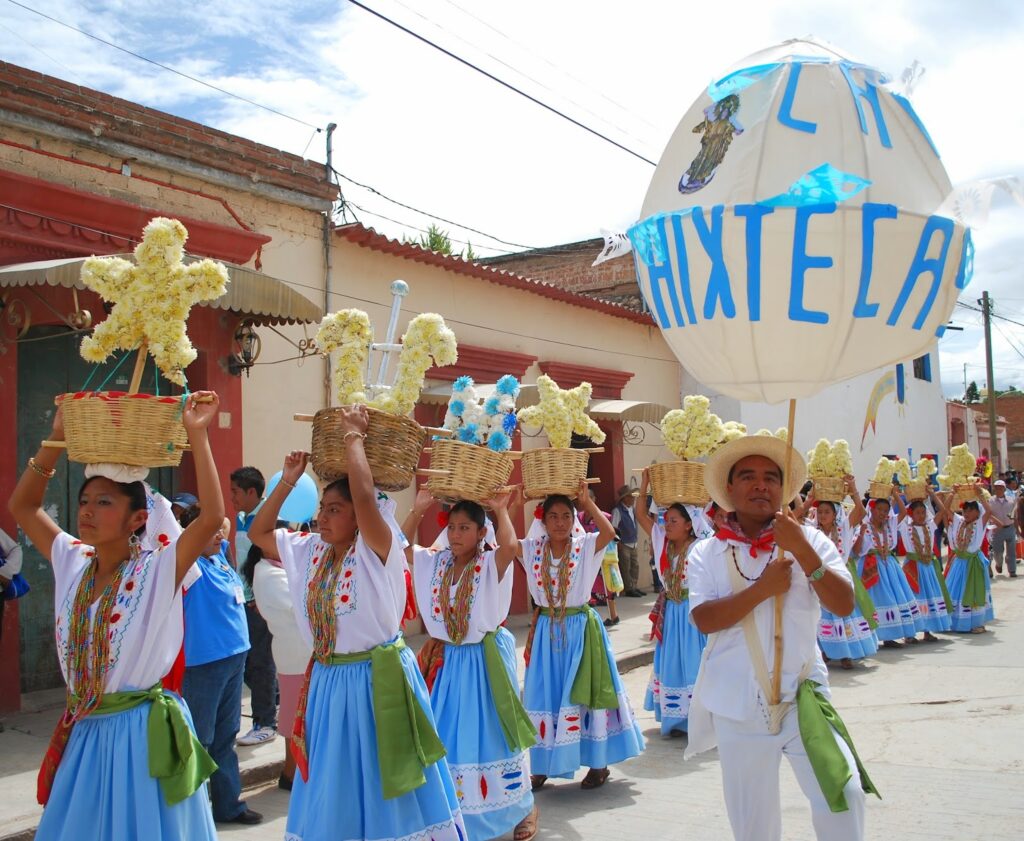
300	506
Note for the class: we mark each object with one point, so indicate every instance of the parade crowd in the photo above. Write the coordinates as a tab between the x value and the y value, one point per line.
158	627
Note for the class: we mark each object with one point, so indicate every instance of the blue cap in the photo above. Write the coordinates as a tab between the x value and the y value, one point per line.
185	500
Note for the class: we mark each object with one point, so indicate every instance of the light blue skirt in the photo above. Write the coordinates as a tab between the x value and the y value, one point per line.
491	782
846	637
895	603
572	736
103	788
342	800
965	617
676	663
930	602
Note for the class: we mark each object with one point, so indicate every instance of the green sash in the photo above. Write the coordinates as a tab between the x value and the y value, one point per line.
406	739
974	586
936	564
176	758
593	686
516	726
817	718
861	596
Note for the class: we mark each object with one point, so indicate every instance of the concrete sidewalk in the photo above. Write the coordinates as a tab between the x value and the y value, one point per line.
26	735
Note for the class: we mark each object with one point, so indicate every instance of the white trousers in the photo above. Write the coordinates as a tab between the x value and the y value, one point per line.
750	757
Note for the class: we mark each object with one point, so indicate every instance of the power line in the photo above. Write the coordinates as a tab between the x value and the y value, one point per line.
994	315
162	66
1009	341
377	192
415	228
501	82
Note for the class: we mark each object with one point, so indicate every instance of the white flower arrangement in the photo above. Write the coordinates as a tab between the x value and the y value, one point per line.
959	467
491	421
829	460
903	473
562	412
731	430
151	298
781	433
695	431
427	341
884	470
926	468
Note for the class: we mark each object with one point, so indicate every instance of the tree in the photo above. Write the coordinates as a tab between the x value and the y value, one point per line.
972	395
439	242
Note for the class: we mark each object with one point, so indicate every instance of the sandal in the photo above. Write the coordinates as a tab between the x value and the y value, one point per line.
596	777
537	781
526	829
912	640
846	663
981	629
930	637
891	644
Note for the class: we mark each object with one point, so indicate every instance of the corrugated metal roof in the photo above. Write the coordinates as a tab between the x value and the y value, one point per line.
250	292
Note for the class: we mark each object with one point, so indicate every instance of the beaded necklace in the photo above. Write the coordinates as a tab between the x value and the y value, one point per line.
456	610
320	599
920	546
965	535
556	600
736	564
882	547
88	657
676	574
835	535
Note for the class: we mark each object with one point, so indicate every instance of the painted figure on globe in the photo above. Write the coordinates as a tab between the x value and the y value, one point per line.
720	126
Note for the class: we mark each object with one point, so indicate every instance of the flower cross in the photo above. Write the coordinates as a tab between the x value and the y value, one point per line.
562	412
151	298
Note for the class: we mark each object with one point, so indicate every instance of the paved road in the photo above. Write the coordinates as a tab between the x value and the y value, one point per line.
940	726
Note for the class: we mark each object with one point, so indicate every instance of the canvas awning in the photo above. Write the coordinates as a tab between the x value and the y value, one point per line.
638	411
267	299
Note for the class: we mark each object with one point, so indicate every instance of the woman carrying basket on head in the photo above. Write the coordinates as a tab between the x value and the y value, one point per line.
573	692
370	763
124	758
679	645
464	589
970	588
922	568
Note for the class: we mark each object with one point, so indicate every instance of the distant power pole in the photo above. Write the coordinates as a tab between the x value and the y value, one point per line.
993	434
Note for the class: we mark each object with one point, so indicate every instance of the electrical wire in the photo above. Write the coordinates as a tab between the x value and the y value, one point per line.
421	230
163	66
501	82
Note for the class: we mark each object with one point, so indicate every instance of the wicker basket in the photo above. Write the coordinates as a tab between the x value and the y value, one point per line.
830	488
917	490
879	490
551	470
970	492
112	426
393	444
474	473
678	481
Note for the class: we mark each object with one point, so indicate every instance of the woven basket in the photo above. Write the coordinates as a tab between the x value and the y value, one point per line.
830	489
393	444
917	489
474	473
678	481
112	426
879	490
967	493
551	470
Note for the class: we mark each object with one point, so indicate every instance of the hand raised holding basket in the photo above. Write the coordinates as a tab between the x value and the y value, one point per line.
199	410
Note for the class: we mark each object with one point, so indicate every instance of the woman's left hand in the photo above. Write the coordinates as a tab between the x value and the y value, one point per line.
500	501
199	410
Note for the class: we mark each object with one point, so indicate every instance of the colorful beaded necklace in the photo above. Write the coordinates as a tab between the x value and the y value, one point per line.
835	535
920	545
964	535
882	547
320	603
88	656
556	600
456	609
676	574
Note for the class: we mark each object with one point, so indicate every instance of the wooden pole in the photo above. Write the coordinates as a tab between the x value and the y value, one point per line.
140	366
777	663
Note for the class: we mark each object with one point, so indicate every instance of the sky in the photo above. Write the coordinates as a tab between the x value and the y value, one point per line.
422	128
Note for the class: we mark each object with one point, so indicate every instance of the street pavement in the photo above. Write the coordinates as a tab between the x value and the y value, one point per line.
940	727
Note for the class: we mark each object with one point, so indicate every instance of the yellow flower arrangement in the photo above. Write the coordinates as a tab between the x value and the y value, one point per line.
151	298
926	468
959	467
350	332
694	431
903	473
561	412
427	340
884	470
781	433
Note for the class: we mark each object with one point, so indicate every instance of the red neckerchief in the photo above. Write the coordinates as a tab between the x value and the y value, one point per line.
764	542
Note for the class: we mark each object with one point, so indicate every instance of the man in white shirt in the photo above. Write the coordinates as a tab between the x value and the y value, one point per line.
735	577
1004	530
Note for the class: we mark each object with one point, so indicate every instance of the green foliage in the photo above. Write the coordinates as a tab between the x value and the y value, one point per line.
439	242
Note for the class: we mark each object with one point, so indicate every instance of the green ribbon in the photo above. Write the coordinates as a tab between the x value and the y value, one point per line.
861	596
974	586
406	739
593	686
818	719
516	726
176	758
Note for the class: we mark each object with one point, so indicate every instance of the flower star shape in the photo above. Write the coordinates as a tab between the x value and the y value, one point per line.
561	412
151	298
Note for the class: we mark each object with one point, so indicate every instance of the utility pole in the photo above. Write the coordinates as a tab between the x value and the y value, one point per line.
993	434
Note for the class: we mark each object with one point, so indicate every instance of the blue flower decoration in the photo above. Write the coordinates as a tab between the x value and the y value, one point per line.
499	441
508	424
508	385
457	407
462	383
468	434
492	405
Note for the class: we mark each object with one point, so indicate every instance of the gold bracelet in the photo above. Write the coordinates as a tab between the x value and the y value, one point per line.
351	432
289	484
46	473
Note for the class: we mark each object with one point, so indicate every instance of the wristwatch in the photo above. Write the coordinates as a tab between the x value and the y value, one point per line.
817	575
